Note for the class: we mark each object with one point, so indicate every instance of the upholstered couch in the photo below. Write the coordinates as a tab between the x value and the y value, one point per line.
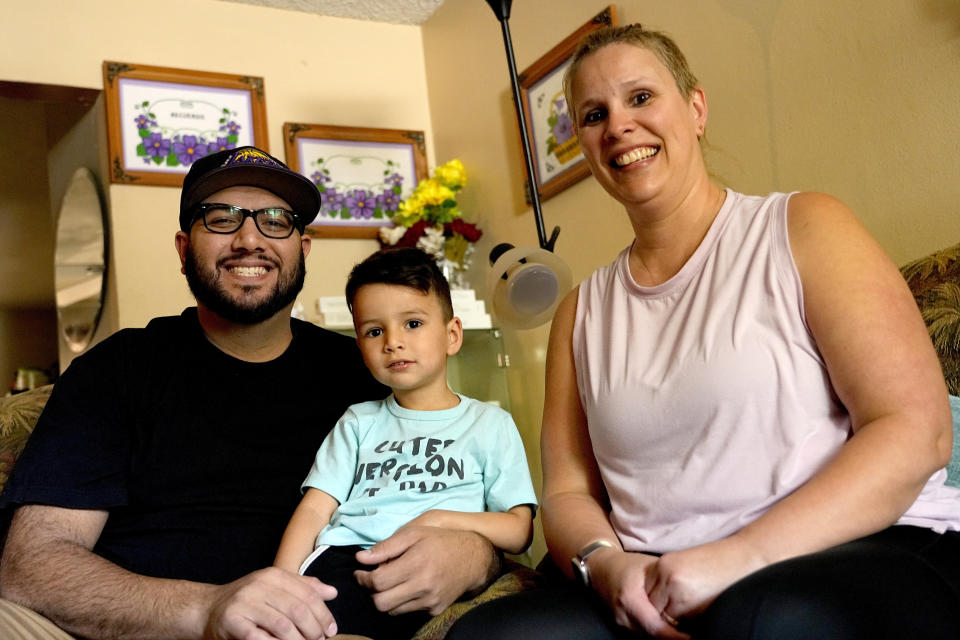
18	415
934	281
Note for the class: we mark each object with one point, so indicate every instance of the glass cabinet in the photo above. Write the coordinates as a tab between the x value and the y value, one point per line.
479	370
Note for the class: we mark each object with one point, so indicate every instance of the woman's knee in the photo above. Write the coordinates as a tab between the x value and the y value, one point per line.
856	591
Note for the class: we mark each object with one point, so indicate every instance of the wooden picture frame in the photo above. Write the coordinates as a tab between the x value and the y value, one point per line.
362	174
557	160
160	120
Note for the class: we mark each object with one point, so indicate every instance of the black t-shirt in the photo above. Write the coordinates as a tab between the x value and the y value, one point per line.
198	456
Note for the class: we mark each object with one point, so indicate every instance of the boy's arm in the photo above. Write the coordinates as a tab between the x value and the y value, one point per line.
312	514
510	531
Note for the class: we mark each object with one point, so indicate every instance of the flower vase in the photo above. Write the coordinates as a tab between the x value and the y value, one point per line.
456	274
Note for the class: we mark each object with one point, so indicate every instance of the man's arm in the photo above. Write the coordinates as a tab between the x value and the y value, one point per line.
48	566
510	531
427	568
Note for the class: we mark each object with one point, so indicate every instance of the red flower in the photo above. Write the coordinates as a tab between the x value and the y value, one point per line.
468	230
412	235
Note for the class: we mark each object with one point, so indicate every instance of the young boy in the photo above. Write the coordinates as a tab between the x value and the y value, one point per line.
424	455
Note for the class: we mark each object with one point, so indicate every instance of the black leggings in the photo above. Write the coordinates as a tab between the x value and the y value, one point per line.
353	608
903	582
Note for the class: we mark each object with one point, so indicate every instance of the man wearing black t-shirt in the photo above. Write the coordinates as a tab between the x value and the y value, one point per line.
160	477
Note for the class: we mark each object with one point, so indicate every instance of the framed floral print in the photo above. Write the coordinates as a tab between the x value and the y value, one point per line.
363	174
160	120
558	161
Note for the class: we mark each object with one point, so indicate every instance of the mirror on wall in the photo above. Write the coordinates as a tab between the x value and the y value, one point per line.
80	261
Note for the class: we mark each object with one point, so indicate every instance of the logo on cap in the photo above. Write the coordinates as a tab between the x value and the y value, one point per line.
250	155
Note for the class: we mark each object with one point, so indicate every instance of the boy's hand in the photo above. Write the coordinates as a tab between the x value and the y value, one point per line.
426	568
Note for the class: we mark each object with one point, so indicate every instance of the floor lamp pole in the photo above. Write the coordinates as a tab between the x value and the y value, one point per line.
501	8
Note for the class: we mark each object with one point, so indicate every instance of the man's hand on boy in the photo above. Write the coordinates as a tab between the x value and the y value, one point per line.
271	601
427	568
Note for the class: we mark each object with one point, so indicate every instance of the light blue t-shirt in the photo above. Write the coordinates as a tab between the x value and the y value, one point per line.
386	465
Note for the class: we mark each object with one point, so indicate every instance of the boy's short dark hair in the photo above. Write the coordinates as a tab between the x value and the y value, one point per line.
403	266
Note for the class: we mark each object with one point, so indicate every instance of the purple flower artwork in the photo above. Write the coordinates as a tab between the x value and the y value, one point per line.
231	128
173	147
331	201
561	142
189	149
357	188
156	146
563	129
389	201
396	180
361	204
221	144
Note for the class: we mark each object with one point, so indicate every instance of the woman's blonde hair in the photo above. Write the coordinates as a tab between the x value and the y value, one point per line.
657	42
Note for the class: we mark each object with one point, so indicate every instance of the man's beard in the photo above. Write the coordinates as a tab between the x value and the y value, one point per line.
209	291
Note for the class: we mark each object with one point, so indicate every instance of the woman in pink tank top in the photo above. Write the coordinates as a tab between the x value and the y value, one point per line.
802	547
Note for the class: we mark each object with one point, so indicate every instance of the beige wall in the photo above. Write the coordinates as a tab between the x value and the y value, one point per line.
316	70
28	331
24	197
28	339
855	98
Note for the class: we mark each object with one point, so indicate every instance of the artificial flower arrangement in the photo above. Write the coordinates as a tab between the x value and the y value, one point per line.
429	219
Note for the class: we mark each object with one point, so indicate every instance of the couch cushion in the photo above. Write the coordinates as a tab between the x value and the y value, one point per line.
18	415
934	281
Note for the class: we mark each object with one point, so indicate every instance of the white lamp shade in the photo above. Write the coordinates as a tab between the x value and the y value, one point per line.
536	281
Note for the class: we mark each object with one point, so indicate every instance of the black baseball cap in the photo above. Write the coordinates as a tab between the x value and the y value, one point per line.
247	166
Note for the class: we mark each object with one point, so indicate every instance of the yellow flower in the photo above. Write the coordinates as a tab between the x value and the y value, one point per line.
431	192
408	211
452	174
414	204
434	200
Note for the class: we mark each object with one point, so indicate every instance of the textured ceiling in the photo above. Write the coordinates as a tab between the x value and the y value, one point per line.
394	11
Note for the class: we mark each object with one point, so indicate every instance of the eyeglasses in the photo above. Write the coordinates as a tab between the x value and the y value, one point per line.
273	222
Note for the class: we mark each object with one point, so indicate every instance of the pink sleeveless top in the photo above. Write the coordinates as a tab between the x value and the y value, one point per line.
706	397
